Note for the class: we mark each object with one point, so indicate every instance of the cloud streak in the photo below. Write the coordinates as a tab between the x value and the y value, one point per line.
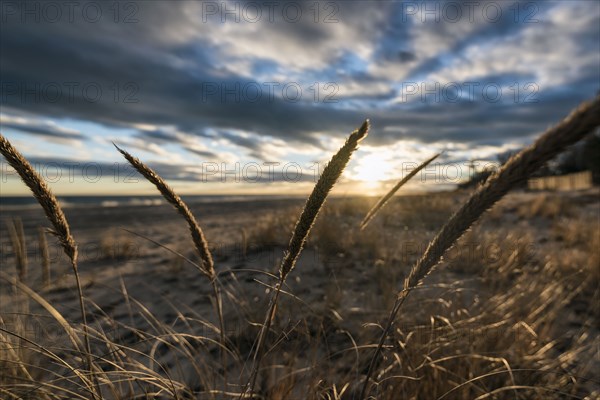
174	74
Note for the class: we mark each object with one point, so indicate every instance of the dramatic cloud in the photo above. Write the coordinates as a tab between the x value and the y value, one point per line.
46	129
207	81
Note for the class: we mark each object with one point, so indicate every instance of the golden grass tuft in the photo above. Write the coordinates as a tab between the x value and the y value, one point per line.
373	211
198	238
55	215
182	208
307	218
315	201
43	194
516	171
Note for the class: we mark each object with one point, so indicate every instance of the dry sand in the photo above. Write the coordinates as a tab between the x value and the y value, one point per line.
343	286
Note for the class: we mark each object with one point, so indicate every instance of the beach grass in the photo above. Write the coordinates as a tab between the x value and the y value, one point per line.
511	316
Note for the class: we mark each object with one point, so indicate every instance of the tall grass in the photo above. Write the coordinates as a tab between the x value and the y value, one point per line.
207	263
208	266
19	246
43	245
516	171
62	231
448	366
309	214
373	211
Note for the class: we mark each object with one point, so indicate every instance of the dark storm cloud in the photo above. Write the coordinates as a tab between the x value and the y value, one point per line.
151	91
241	141
56	169
166	70
157	135
41	129
150	140
203	153
478	122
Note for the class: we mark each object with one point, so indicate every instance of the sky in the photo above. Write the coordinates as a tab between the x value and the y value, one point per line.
251	97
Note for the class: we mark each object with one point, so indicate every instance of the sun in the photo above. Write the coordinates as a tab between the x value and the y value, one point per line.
374	168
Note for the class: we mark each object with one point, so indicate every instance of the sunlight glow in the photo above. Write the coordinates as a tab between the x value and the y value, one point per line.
374	168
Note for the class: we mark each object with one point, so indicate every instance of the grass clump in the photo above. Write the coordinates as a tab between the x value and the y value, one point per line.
309	214
55	215
516	171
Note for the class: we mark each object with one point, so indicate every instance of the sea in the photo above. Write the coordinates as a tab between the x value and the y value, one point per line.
21	202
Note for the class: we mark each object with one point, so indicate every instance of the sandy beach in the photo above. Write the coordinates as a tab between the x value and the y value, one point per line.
137	291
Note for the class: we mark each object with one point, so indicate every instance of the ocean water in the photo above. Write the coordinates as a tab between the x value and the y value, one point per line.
20	202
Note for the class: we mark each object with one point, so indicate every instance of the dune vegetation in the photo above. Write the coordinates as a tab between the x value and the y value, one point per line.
479	293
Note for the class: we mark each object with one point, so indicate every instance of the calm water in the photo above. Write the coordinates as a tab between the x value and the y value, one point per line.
117	201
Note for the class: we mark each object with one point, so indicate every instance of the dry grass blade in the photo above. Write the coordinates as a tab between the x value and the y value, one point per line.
373	211
315	201
54	213
45	256
51	355
43	194
309	214
71	334
18	224
198	238
17	249
170	250
173	198
516	170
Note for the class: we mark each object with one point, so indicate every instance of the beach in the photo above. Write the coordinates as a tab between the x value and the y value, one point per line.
142	295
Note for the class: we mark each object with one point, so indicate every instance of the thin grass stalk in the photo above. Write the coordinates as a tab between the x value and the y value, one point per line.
18	223
71	333
43	243
62	231
196	232
382	202
16	247
517	169
173	198
309	214
57	359
12	352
